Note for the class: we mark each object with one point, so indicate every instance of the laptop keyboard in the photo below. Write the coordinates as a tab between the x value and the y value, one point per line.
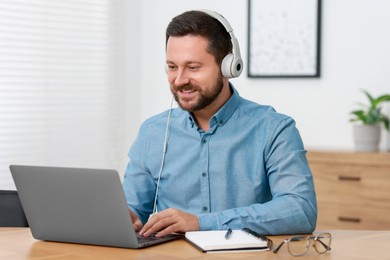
153	237
142	239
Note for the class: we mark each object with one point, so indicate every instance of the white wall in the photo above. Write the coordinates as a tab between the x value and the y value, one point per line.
131	73
355	56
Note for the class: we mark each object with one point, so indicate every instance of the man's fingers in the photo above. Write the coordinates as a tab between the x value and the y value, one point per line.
137	223
169	230
170	221
155	224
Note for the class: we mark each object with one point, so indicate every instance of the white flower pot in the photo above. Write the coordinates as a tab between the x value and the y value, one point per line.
367	137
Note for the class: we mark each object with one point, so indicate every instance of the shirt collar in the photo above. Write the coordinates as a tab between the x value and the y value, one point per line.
224	113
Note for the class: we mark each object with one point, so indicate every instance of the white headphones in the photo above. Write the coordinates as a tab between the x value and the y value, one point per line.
232	64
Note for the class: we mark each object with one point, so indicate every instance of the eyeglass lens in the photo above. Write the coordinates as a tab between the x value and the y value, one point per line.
298	245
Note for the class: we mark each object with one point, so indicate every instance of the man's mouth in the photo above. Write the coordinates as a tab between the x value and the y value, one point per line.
187	90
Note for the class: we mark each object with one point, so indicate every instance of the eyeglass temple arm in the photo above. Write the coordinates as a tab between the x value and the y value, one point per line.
325	245
281	244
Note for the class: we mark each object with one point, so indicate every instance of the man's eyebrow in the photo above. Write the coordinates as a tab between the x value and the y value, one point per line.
186	63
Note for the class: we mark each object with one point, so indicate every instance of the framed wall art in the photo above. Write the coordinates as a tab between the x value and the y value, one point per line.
284	38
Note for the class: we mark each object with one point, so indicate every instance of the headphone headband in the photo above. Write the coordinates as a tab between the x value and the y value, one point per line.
232	64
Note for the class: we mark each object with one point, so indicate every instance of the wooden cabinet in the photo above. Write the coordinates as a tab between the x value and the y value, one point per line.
353	189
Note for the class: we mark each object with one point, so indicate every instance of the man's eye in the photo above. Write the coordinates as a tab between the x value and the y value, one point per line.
194	67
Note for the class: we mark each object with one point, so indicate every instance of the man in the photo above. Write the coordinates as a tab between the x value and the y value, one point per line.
228	162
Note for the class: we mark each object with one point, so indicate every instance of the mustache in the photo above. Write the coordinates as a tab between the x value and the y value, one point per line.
184	87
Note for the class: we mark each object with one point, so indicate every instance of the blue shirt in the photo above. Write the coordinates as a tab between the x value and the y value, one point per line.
249	170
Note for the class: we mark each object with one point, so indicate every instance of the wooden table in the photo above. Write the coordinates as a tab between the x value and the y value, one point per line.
17	243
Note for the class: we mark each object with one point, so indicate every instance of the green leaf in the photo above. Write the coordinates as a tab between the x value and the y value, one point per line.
374	116
383	98
370	98
360	115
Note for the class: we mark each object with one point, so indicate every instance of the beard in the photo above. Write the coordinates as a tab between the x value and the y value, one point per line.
204	98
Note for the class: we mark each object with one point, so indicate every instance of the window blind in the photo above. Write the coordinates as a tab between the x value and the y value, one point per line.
59	88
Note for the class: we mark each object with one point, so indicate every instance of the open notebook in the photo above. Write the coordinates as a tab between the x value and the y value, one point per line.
215	241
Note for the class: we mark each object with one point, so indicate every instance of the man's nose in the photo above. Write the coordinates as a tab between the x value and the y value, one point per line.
181	78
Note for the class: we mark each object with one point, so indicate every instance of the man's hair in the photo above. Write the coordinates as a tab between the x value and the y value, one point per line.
198	23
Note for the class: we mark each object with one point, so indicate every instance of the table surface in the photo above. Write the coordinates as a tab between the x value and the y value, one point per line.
18	243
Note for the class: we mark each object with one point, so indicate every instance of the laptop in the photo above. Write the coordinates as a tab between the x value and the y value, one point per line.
77	205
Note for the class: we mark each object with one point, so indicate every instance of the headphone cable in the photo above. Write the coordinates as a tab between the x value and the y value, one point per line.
162	159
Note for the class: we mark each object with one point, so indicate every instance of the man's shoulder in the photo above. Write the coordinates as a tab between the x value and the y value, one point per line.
258	111
162	117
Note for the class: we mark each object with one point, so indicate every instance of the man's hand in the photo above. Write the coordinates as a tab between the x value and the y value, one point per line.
170	221
137	223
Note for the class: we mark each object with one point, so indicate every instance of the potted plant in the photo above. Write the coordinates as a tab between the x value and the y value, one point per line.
367	134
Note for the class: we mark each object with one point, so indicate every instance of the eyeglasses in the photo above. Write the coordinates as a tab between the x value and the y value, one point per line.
299	245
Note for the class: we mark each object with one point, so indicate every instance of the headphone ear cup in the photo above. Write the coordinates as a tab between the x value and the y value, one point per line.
226	65
231	67
236	67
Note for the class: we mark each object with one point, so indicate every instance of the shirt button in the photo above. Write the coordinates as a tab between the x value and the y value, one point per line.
204	141
204	209
204	174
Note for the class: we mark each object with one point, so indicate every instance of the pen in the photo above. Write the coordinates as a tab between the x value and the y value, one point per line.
253	233
228	233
